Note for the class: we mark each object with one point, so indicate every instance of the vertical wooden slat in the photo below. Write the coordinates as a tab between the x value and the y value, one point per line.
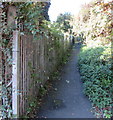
37	52
0	62
25	81
20	82
23	86
15	74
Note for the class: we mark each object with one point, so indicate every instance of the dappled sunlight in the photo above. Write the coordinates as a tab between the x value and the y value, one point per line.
70	6
56	59
96	74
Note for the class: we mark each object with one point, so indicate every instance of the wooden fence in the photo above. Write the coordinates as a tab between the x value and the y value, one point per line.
33	63
25	65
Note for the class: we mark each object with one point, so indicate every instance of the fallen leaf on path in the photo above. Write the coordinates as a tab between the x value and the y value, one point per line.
67	81
56	89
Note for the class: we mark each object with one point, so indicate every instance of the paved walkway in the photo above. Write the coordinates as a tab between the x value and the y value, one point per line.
67	99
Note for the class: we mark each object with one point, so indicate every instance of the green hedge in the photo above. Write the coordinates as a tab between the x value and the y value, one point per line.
95	70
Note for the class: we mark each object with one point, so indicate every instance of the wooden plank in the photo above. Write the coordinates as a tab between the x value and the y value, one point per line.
23	67
10	16
15	74
21	77
0	63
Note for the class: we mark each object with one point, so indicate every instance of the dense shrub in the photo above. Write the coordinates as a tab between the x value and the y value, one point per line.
95	60
95	70
94	21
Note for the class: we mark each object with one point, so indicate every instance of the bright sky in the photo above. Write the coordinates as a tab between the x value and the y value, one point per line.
62	6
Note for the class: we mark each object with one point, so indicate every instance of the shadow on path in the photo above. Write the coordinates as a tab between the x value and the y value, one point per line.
67	100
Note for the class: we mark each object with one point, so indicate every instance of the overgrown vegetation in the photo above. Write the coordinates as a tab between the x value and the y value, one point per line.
24	15
94	23
63	21
32	19
95	69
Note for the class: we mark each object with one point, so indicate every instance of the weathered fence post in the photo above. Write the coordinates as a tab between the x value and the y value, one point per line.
0	59
15	74
0	75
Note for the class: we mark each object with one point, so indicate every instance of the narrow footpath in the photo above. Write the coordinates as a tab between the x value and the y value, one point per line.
67	100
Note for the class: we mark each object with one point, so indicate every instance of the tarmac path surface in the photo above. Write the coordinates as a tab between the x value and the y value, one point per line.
67	100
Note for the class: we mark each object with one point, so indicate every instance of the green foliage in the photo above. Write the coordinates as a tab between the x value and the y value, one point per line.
31	16
35	22
53	29
95	69
63	21
6	89
95	61
94	21
6	107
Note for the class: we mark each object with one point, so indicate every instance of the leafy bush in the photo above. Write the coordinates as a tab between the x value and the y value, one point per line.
94	22
95	70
